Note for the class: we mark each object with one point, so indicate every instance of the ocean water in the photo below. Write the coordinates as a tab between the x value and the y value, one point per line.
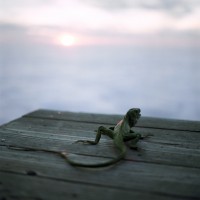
162	81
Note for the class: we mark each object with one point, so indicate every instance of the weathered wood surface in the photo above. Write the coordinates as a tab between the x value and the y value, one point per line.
166	166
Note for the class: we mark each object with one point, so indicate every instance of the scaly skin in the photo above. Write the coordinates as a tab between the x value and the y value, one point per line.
120	133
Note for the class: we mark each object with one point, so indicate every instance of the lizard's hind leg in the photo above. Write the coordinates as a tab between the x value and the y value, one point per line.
101	130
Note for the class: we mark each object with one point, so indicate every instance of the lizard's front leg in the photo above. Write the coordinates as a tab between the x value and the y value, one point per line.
133	144
101	130
134	137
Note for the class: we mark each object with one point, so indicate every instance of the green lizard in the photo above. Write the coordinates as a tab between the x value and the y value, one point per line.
120	133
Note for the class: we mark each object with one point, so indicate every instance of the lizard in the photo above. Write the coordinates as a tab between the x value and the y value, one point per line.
120	134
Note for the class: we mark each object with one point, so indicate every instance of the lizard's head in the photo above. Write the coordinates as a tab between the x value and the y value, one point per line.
132	116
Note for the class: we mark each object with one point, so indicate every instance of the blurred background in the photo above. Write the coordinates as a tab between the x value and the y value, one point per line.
100	56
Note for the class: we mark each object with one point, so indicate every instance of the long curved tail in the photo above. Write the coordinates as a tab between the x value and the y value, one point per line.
64	155
122	149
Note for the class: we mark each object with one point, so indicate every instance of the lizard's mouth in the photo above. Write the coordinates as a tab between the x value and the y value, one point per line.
138	115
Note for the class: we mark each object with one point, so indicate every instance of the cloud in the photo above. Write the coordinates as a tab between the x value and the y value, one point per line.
105	20
11	27
174	7
12	32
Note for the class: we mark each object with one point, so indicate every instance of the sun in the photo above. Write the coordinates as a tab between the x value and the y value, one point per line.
67	40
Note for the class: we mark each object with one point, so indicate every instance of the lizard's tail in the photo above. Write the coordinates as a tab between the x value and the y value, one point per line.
122	149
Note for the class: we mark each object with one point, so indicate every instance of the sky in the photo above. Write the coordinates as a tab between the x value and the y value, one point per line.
100	56
93	22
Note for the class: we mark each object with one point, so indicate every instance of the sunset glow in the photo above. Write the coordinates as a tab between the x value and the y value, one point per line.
67	40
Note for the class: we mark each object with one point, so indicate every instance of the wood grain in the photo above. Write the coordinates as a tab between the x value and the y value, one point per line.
166	166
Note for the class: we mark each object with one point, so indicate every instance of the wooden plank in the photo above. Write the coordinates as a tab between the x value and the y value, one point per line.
149	150
146	178
166	166
82	129
165	147
40	188
172	124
